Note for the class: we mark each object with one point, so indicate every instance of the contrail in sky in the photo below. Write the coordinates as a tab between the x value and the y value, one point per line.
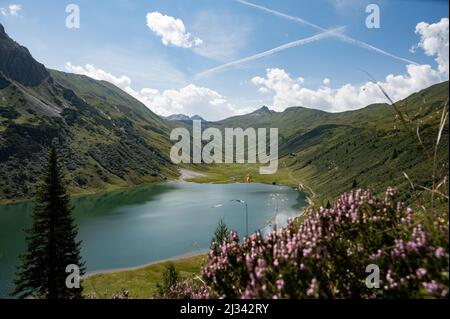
319	36
341	36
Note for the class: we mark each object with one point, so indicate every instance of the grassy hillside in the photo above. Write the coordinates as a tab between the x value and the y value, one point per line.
107	138
332	153
141	283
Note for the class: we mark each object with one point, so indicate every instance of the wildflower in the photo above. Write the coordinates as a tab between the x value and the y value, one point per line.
421	272
312	290
431	286
370	230
439	252
280	284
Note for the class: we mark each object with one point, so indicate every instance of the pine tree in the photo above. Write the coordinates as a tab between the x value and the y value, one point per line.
52	244
170	278
220	235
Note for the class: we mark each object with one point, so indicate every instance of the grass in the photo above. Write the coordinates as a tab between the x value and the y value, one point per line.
108	140
329	154
89	191
237	173
141	283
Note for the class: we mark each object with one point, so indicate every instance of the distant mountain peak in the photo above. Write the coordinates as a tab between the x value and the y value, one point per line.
183	117
264	110
177	117
197	118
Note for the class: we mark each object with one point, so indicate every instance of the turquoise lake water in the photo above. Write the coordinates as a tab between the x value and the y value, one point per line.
137	226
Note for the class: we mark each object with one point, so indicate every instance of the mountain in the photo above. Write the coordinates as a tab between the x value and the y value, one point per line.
17	63
244	120
184	118
197	118
370	147
178	117
264	110
107	138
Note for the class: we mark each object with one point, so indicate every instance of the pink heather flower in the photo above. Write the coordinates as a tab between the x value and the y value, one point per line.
224	249
389	276
248	261
259	273
390	192
440	252
306	252
280	284
295	249
312	288
431	286
247	294
262	263
421	272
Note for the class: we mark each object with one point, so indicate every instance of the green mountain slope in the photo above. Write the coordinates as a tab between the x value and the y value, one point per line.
371	147
107	138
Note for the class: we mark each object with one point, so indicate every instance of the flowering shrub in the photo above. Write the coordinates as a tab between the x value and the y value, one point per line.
326	255
125	294
189	289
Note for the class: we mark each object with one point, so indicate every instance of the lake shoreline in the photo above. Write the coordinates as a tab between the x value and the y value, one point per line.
185	175
139	267
105	223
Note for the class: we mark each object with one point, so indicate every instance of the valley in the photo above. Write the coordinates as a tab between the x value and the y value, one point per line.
109	140
169	150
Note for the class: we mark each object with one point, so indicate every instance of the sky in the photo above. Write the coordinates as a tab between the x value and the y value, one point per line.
219	58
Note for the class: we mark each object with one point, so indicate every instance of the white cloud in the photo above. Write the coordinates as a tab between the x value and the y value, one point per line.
90	70
288	91
188	100
11	10
171	30
14	9
434	41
